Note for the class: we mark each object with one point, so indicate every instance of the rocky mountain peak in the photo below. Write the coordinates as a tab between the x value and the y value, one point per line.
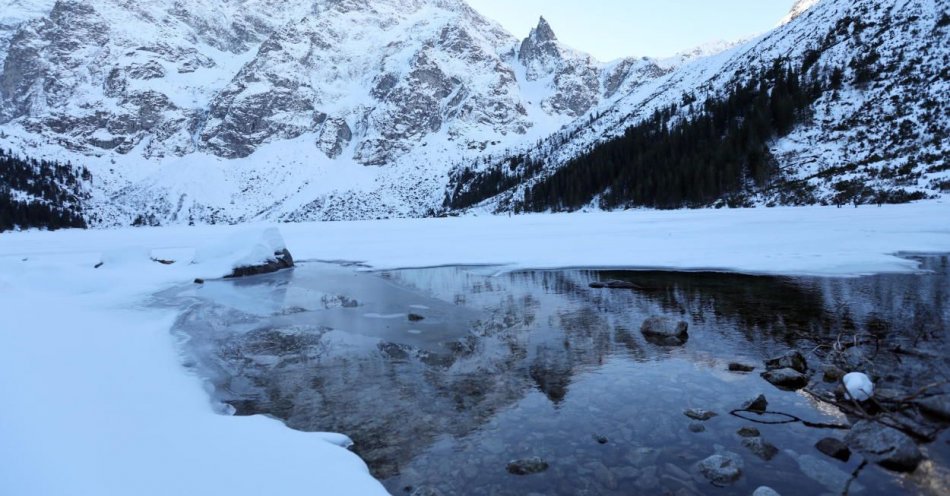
543	32
540	51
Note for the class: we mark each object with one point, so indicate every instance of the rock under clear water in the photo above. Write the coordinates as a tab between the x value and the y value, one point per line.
538	364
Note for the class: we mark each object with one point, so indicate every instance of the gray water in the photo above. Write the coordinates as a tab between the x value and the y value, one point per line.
507	366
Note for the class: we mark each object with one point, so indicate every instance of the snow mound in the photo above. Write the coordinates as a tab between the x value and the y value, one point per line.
129	256
243	249
859	386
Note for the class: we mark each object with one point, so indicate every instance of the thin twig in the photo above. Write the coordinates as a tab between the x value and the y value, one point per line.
854	476
789	419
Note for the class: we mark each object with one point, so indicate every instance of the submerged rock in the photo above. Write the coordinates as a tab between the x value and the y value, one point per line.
765	491
824	473
527	466
748	432
660	330
786	378
425	491
700	414
740	367
832	373
888	447
760	447
414	317
722	469
834	448
614	284
791	360
697	427
936	406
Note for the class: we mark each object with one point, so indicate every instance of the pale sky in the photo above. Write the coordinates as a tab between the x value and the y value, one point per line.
610	29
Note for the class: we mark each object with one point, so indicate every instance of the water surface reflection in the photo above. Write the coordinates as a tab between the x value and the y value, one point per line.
538	363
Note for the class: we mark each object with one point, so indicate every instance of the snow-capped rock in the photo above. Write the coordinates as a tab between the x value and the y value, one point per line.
573	77
858	386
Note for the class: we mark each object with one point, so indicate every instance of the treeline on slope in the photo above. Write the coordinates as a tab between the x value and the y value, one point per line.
668	161
472	187
694	154
40	193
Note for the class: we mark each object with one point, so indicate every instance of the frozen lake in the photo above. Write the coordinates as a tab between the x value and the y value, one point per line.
443	376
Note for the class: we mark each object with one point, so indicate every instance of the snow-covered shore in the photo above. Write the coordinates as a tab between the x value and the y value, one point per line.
95	401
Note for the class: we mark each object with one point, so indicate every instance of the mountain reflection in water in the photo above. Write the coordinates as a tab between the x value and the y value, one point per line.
514	365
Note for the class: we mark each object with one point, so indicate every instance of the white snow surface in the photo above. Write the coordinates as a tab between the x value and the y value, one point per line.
242	249
96	402
859	386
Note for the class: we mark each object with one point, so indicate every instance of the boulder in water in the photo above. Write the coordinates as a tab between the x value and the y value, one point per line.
786	378
722	469
888	447
527	466
791	360
663	331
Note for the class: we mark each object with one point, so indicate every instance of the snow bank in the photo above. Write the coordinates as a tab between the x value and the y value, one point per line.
822	241
243	249
95	399
96	402
125	257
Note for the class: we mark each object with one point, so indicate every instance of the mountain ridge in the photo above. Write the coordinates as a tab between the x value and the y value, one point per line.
332	109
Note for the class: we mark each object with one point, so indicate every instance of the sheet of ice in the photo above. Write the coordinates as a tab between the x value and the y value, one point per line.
94	393
809	240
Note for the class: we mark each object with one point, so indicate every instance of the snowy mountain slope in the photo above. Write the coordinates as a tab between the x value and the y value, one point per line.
16	12
236	110
798	9
282	111
881	128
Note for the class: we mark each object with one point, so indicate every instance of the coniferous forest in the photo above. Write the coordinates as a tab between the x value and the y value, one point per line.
688	155
40	193
717	150
668	161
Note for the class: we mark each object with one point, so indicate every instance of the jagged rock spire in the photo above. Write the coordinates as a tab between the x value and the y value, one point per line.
540	47
543	32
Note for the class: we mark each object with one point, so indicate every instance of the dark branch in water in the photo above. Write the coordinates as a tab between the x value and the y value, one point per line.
885	418
854	476
789	419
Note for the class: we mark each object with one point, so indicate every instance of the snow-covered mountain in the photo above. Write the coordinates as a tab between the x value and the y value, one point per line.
234	110
283	105
798	9
880	124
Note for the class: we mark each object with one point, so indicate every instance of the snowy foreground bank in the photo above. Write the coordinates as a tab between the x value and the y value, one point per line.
95	401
